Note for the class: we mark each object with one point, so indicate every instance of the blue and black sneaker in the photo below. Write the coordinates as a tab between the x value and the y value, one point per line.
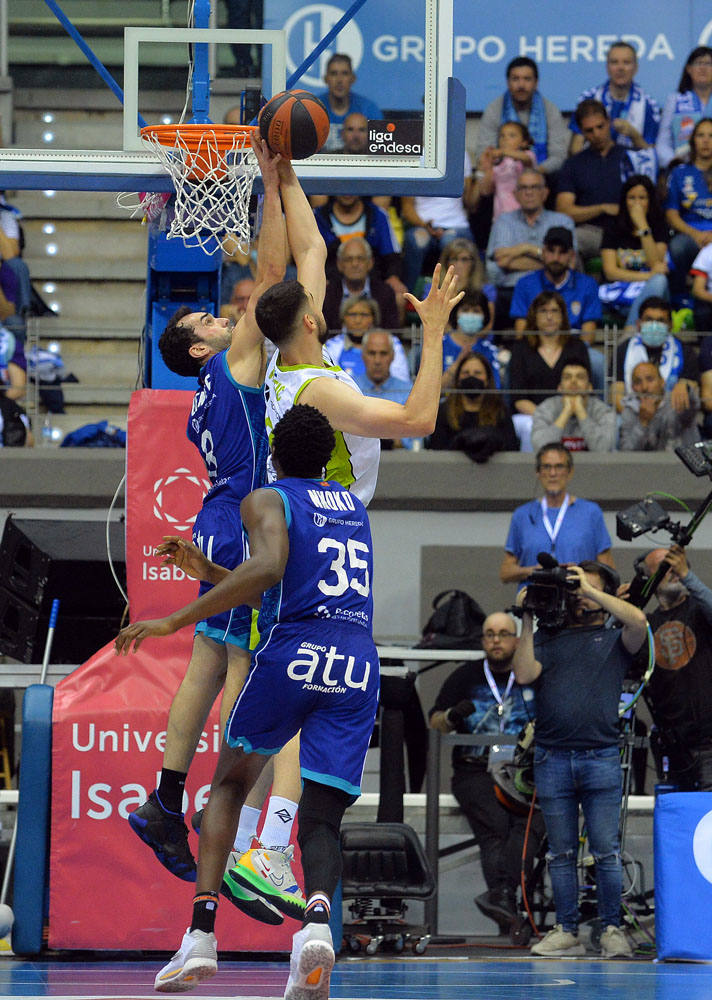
167	836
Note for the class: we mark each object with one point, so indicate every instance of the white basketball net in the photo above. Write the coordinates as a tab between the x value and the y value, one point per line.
212	190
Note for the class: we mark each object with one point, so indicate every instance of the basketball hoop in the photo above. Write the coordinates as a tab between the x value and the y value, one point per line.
213	168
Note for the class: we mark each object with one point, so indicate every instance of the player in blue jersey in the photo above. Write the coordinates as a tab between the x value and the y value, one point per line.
227	425
315	669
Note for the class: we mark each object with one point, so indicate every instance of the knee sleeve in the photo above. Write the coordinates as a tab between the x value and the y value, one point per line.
321	810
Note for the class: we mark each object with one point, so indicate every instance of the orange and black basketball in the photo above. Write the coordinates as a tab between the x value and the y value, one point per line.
294	123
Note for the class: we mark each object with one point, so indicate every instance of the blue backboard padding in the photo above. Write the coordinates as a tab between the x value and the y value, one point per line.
682	838
32	850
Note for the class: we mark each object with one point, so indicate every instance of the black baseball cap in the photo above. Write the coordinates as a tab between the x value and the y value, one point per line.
559	236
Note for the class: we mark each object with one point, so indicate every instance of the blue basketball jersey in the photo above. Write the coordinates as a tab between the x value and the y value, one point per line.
227	426
330	566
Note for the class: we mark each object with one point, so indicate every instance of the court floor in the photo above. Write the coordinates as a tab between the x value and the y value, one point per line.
378	978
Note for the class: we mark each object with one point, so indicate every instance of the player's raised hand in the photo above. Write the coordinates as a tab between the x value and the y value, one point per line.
267	160
434	310
136	633
178	551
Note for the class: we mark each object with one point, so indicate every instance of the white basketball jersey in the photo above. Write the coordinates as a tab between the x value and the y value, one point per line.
354	460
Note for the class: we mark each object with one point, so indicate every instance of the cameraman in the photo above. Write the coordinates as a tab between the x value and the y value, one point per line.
482	697
578	672
680	690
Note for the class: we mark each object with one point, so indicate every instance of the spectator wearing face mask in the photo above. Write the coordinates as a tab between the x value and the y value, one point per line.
675	361
470	322
473	417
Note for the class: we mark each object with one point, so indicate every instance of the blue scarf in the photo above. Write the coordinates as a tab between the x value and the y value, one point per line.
537	126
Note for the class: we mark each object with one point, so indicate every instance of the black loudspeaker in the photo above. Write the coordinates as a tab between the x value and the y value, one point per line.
45	559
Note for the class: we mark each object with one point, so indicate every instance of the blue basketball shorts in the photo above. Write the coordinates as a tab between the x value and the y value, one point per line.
218	534
318	678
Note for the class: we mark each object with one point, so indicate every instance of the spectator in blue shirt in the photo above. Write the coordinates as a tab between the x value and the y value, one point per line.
689	207
570	528
470	322
340	100
377	351
579	291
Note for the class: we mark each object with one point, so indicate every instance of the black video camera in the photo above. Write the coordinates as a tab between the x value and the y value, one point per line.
550	595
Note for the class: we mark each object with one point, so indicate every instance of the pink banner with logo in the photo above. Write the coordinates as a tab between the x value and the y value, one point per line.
107	890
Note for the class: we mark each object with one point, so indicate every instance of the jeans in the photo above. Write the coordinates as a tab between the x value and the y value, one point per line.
565	778
658	286
683	251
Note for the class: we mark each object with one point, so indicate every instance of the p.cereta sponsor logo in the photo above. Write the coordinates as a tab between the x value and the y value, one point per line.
177	498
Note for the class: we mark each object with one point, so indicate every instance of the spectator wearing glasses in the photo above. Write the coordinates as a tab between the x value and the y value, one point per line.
570	528
482	696
357	317
357	279
683	109
516	240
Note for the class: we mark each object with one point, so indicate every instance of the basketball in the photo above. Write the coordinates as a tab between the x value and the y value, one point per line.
294	123
7	919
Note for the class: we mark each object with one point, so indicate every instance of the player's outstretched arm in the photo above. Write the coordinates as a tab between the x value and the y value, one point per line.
305	240
263	517
348	411
271	252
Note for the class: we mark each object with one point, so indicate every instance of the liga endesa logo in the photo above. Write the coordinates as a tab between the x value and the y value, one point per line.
177	498
398	138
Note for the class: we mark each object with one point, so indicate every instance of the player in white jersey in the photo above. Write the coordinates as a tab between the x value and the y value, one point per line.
290	315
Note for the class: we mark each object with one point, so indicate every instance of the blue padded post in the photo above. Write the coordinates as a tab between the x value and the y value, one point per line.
32	852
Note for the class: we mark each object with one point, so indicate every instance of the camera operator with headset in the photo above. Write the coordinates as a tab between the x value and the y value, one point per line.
577	669
679	692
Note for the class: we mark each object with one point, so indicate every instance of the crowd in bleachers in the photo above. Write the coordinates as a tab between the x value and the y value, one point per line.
560	232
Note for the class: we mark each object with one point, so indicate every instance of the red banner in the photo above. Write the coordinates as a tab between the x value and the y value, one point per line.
107	890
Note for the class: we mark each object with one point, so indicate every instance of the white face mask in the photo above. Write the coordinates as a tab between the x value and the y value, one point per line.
653	332
470	322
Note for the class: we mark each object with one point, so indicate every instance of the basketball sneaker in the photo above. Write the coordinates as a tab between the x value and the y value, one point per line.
195	960
269	874
310	964
167	836
614	943
558	943
245	899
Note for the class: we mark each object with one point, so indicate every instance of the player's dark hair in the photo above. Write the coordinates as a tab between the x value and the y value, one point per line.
175	343
277	310
523	62
589	107
302	442
554	446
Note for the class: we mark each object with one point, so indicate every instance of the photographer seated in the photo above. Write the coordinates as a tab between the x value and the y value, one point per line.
577	667
679	692
481	696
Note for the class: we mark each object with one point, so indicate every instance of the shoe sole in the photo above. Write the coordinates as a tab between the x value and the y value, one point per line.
250	903
285	904
315	964
191	975
561	953
135	822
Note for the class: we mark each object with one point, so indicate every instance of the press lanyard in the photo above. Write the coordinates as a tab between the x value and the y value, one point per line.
495	691
553	532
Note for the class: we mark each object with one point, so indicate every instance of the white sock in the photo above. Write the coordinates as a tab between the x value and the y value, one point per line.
278	823
247	828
